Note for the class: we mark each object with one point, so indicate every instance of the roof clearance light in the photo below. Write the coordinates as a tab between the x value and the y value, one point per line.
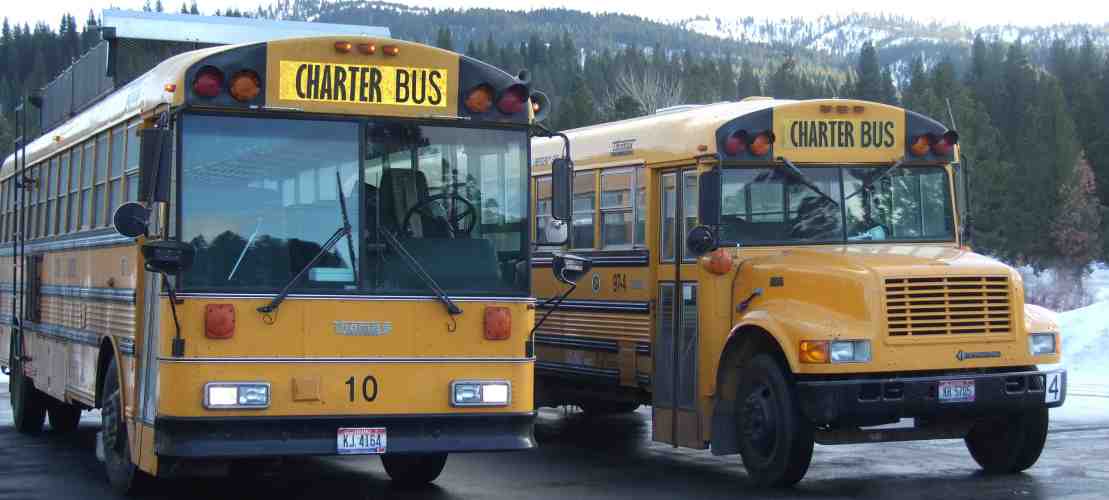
343	47
761	145
390	50
512	99
921	145
367	48
480	98
208	82
245	85
942	147
736	142
170	87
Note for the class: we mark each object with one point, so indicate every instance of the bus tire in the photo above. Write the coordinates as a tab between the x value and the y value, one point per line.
124	477
598	408
64	417
775	439
1009	444
28	403
414	469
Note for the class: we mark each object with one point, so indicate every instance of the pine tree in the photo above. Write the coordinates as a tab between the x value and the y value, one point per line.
748	84
196	12
869	85
1076	230
443	39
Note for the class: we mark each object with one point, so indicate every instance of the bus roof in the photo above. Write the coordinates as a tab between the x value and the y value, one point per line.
682	133
222	30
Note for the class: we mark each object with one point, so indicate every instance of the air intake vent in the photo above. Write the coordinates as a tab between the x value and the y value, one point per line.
950	305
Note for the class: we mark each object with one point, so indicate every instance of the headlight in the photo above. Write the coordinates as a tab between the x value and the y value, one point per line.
835	351
236	395
1041	343
480	393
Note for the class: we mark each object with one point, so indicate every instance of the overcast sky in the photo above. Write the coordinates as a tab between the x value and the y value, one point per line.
969	12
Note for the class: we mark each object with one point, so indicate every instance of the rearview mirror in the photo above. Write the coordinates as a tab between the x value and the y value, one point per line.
155	148
700	240
131	219
168	256
556	232
708	198
569	268
562	185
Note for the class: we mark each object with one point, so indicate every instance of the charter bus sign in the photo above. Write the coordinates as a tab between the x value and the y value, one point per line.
826	131
363	84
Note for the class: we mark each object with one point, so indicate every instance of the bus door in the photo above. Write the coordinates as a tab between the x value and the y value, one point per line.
676	414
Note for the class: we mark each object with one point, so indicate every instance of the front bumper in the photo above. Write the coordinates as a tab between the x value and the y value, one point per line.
873	401
252	437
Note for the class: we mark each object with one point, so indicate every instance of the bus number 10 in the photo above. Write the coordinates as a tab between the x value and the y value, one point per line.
369	388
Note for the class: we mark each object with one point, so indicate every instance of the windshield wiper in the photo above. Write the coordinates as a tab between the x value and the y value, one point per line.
345	230
415	266
867	185
242	254
796	173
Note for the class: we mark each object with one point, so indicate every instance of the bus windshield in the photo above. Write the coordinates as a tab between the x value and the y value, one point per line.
261	196
769	206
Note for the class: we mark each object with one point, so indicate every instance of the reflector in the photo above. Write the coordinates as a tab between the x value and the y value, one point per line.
209	81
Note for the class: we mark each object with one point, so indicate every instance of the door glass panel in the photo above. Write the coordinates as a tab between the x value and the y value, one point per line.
662	382
687	349
669	215
689	207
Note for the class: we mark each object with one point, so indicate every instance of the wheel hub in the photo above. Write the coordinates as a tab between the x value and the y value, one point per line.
759	426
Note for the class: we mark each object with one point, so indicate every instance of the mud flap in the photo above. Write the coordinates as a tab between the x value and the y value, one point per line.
725	439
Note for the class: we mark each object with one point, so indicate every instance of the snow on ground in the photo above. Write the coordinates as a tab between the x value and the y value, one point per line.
1085	335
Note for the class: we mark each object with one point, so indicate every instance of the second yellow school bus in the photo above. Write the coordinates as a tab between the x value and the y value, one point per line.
829	290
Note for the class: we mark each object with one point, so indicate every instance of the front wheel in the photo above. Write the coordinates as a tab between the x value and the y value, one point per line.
123	475
775	439
1009	444
28	403
414	469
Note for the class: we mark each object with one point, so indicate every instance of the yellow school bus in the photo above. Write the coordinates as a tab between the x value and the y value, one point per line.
324	251
773	273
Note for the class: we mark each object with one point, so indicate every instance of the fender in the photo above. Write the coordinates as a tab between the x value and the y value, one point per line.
109	347
762	319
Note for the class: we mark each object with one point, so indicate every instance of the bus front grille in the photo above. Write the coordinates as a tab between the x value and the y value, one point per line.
948	305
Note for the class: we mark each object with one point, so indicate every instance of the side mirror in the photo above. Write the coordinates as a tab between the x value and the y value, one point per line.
708	198
569	268
131	219
562	187
700	240
154	164
168	256
557	232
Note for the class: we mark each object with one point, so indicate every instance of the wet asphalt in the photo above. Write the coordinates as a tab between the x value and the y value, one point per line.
609	457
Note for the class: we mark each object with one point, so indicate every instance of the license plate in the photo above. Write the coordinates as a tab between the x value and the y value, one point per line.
956	391
361	441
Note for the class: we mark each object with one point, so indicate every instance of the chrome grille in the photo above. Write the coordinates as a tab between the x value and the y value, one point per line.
949	305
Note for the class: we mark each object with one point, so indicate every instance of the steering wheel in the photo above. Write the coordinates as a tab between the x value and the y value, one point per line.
462	222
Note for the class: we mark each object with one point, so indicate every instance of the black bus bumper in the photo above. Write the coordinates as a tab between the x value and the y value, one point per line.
874	401
261	437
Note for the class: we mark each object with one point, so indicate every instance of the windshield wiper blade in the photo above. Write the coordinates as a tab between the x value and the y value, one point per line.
885	173
242	254
344	230
796	173
415	266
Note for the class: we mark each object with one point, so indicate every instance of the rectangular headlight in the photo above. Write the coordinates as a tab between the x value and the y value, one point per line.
850	351
1041	343
480	393
236	395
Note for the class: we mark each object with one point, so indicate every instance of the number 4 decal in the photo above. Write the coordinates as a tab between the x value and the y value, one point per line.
1054	388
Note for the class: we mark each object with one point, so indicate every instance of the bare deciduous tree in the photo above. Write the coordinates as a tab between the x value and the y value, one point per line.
650	88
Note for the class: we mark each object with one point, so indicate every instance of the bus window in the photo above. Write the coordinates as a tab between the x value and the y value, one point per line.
115	172
542	208
907	204
616	208
689	207
764	205
640	206
585	191
669	214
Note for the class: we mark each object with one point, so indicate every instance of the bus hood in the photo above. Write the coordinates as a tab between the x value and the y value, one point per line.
898	260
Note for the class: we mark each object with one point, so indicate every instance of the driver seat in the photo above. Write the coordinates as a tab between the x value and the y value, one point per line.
402	189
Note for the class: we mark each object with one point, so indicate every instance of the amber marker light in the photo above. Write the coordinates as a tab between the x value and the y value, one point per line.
920	145
498	323
480	98
343	47
367	48
761	144
814	351
245	85
170	87
718	261
390	50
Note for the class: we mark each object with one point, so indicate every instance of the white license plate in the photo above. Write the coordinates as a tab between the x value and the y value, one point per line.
361	441
956	391
1054	391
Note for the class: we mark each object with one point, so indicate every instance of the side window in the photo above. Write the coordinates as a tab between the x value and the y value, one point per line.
584	205
88	164
640	206
616	208
73	222
542	208
669	215
99	181
115	172
131	163
689	208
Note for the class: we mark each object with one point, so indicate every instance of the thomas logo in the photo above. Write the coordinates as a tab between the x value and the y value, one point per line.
963	355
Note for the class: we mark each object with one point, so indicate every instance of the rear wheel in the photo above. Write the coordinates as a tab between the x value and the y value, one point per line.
608	407
1009	444
414	469
123	475
775	439
28	403
64	417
